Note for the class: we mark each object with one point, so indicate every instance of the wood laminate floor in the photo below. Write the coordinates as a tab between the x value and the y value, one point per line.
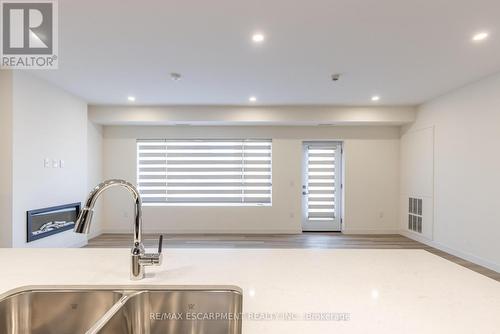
304	240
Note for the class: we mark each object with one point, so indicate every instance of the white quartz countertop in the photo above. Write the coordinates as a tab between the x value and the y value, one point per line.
381	291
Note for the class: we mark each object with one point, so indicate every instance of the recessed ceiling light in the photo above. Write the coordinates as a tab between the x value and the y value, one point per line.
481	36
258	38
252	99
375	98
131	98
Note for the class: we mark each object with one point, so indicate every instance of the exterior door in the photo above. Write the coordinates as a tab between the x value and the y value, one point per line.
322	186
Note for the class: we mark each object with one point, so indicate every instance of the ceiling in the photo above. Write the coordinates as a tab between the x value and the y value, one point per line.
405	51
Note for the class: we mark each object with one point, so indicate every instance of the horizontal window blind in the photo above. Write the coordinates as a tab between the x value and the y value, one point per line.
204	172
321	174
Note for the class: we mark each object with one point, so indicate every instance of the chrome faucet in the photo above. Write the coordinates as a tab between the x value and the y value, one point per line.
140	258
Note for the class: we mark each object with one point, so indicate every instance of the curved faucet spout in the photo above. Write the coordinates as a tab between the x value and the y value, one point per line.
84	220
139	258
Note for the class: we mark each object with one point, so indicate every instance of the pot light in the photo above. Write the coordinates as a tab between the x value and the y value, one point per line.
375	98
481	36
131	98
258	38
252	99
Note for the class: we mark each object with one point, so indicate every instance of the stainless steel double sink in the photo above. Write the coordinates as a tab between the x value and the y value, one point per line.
127	310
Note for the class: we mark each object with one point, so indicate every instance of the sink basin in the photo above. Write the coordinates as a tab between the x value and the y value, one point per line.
193	312
54	311
127	310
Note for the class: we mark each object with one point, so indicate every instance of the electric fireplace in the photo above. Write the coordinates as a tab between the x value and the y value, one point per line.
42	223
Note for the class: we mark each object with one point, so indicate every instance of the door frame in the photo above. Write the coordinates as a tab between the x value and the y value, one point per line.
339	200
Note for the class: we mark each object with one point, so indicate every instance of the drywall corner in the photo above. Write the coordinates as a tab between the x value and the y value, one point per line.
6	138
95	171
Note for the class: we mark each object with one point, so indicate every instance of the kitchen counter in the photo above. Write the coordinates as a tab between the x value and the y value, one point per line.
294	290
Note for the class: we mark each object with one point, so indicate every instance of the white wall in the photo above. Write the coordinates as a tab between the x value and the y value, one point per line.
48	123
251	116
95	171
466	177
6	158
417	177
371	185
371	181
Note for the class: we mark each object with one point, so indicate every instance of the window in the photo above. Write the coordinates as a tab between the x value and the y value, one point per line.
204	172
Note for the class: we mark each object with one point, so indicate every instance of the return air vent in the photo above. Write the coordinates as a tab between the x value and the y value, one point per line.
415	214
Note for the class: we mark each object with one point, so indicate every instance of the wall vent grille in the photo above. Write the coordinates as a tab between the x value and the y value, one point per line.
415	214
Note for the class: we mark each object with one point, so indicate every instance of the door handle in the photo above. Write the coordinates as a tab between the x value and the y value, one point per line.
160	244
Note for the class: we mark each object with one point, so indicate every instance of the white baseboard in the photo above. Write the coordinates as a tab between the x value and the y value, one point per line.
79	244
464	255
370	231
247	231
94	234
181	231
